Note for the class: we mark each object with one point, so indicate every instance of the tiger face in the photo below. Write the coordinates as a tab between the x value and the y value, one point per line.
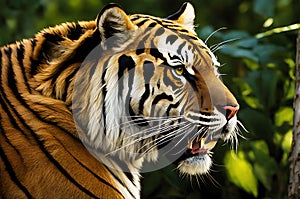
155	88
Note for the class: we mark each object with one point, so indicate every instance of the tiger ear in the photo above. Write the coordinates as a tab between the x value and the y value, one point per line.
185	16
113	21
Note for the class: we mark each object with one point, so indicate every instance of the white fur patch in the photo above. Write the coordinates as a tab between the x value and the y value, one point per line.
195	165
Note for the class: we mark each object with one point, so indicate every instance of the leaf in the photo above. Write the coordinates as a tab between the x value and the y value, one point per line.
256	123
265	52
252	102
284	114
239	52
247	42
251	64
264	83
240	172
264	164
235	34
287	141
264	7
205	32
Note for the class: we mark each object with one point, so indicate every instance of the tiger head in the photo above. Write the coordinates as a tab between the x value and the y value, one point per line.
152	85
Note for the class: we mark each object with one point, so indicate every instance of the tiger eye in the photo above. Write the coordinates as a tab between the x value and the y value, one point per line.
179	70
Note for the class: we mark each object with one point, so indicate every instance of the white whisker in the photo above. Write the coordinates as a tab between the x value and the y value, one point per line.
216	47
151	129
164	138
214	32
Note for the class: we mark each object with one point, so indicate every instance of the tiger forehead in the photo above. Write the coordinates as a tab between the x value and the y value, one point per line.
142	20
197	49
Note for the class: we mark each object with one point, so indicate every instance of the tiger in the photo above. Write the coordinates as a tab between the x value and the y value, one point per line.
84	105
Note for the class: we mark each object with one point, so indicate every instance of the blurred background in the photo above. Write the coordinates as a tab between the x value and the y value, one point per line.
256	44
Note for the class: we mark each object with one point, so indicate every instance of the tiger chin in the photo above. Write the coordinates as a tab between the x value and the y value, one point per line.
124	88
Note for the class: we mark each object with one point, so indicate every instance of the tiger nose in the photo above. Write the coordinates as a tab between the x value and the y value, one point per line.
231	111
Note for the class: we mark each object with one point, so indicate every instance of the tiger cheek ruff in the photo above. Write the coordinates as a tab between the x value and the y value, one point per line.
85	105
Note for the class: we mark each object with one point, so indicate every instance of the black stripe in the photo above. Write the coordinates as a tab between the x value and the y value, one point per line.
166	80
151	25
41	145
8	166
148	71
142	22
180	48
20	58
130	109
68	81
171	39
172	106
199	118
157	99
75	32
143	99
192	37
104	92
141	45
34	63
131	77
159	31
162	96
92	172
55	162
3	103
123	165
78	56
12	84
12	174
9	142
156	54
157	21
134	18
53	38
125	62
118	179
185	31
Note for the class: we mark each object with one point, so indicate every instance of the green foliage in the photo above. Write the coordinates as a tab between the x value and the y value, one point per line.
242	175
258	49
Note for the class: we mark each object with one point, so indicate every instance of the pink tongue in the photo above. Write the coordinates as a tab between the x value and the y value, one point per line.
196	148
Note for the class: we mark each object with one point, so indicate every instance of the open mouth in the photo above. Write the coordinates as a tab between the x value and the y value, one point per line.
197	157
200	146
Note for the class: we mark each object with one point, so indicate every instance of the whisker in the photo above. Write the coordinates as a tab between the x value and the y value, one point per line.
243	127
183	138
164	138
137	122
139	118
213	180
214	32
154	128
216	47
141	138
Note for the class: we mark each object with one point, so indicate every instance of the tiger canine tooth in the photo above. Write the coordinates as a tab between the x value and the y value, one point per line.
210	145
198	138
190	144
202	144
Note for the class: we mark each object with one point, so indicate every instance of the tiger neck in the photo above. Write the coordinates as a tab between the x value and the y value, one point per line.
57	61
125	175
57	55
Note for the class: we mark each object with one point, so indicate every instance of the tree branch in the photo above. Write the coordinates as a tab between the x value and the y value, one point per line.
294	180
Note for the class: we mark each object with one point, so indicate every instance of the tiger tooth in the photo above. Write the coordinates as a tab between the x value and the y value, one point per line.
211	144
190	144
202	145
